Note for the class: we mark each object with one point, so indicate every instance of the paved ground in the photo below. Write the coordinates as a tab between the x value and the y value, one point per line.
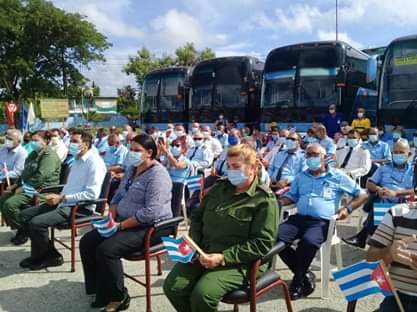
59	290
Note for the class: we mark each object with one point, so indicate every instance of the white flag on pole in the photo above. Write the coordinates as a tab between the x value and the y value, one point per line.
31	115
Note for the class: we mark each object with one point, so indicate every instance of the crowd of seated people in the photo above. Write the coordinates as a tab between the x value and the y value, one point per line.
311	170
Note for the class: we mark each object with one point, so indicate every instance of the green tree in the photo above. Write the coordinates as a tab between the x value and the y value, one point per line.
127	101
144	61
43	47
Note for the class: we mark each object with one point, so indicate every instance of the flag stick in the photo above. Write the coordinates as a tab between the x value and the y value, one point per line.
394	291
196	247
6	171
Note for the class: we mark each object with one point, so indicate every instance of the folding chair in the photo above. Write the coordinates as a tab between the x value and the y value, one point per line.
153	247
258	286
77	220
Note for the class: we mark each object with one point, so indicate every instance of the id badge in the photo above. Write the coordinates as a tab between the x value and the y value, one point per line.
327	192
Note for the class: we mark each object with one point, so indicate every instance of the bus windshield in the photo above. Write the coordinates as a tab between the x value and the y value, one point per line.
302	77
169	100
224	80
149	95
399	83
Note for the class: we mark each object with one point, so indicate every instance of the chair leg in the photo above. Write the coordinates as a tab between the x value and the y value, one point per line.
52	236
158	259
351	306
286	295
73	234
325	252
148	283
339	258
235	308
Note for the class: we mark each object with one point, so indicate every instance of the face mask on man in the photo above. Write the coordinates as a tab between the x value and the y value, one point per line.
74	149
36	145
194	129
352	142
55	140
112	149
9	143
396	135
206	134
233	140
198	143
332	111
399	159
360	115
373	138
291	144
415	141
236	177
125	133
313	163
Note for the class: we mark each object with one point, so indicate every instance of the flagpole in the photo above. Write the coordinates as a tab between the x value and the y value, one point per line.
197	248
394	291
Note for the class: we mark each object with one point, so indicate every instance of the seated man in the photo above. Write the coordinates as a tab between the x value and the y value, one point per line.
353	159
212	143
379	150
287	164
394	242
220	166
325	141
84	183
277	145
316	193
42	168
221	135
58	145
200	155
13	154
391	183
116	153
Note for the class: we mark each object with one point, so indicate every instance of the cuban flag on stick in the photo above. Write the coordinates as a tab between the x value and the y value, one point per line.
106	227
194	183
178	249
363	279
380	209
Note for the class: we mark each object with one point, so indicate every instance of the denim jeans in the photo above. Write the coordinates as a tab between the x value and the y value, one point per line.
390	304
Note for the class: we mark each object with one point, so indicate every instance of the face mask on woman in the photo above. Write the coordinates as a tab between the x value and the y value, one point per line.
236	177
291	144
396	135
233	140
175	151
134	159
36	145
360	115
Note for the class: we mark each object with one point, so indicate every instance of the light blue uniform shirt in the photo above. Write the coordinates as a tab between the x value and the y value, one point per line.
101	145
85	179
394	178
179	175
14	159
117	157
223	139
378	151
294	165
200	157
320	196
329	146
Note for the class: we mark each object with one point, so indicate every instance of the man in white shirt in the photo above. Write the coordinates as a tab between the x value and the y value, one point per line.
84	184
57	145
354	159
212	143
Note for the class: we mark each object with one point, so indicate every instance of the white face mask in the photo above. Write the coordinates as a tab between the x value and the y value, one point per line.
54	140
179	133
9	143
206	134
360	115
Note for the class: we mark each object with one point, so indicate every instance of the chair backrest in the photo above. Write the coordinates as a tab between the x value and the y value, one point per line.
104	193
65	169
177	196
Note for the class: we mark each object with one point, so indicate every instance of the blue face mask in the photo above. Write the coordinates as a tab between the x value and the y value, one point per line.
313	163
128	146
275	137
198	143
373	138
236	177
36	145
415	141
352	142
399	159
175	151
233	140
134	159
396	135
74	149
112	149
291	144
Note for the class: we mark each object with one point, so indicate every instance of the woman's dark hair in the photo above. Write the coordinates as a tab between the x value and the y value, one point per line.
147	142
45	135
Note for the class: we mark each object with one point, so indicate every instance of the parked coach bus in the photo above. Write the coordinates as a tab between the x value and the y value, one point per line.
164	98
300	81
228	86
397	87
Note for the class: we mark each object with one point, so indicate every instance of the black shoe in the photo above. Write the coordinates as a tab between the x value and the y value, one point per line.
359	240
26	263
98	304
309	284
118	306
46	263
20	238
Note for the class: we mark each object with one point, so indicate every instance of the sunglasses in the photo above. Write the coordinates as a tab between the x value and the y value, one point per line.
176	145
198	139
292	139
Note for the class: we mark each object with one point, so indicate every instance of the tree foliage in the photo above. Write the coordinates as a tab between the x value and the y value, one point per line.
127	101
144	61
43	47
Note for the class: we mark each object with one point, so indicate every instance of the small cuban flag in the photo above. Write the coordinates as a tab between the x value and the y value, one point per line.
178	249
194	183
363	279
29	190
106	227
380	209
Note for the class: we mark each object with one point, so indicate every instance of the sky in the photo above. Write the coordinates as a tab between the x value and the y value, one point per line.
233	27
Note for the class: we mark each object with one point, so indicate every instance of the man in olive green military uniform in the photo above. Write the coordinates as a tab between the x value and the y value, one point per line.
42	168
235	226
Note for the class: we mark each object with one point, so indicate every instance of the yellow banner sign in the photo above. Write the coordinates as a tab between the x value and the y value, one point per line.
54	108
409	60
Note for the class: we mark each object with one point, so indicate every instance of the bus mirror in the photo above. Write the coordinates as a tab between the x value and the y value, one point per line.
371	69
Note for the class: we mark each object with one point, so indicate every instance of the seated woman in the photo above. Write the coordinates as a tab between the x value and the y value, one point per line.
235	224
142	199
178	166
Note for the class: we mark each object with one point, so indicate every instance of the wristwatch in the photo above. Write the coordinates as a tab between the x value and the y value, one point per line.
349	209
